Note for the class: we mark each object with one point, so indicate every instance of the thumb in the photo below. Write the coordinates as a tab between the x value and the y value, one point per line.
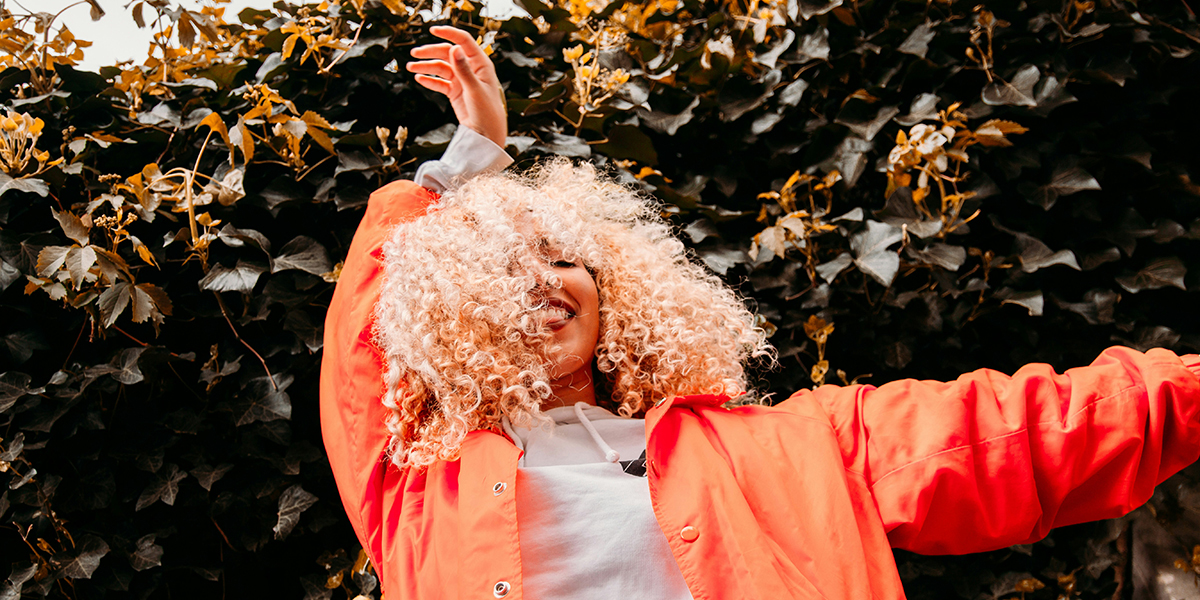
458	62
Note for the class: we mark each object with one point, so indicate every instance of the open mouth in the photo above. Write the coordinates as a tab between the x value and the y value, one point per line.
556	313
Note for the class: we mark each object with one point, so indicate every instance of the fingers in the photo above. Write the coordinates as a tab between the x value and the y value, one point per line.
432	51
455	35
437	68
440	86
473	53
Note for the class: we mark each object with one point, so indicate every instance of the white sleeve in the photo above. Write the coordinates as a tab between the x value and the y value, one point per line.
469	154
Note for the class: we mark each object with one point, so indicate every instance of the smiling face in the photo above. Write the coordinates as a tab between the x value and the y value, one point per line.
572	313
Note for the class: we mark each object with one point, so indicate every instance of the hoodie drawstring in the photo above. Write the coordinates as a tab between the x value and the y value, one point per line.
610	455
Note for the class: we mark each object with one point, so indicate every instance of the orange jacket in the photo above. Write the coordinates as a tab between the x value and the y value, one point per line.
804	499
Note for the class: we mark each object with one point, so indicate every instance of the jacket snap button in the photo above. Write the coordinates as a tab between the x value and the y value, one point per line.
501	588
497	490
689	533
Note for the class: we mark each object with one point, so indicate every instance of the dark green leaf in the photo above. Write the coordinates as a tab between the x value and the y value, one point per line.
165	487
1158	273
83	562
828	271
72	226
302	253
241	278
917	42
264	401
208	475
113	302
147	555
1031	301
1017	92
292	502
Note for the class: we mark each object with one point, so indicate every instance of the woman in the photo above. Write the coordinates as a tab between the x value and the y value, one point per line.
470	338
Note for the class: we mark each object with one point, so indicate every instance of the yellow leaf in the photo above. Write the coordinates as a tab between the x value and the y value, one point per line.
792	180
1004	127
214	123
289	45
919	194
321	139
313	118
144	252
334	580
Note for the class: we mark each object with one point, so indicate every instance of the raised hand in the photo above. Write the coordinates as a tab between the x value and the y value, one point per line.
460	70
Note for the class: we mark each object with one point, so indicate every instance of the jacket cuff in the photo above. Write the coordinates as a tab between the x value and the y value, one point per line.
469	154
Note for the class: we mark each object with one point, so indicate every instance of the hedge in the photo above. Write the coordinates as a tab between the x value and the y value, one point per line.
899	188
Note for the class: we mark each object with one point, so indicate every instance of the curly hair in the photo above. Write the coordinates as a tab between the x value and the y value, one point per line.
457	314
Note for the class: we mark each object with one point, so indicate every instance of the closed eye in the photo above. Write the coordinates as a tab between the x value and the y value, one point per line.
563	264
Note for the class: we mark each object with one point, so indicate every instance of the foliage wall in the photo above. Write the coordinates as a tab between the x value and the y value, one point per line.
901	188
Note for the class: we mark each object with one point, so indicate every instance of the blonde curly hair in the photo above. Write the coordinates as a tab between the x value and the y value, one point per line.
457	314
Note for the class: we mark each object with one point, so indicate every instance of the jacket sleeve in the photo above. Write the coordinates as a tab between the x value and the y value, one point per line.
352	417
989	460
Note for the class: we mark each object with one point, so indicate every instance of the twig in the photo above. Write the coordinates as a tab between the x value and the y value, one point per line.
310	169
73	346
353	43
225	313
222	532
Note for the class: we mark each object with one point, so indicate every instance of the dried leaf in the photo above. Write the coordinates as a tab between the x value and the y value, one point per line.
774	240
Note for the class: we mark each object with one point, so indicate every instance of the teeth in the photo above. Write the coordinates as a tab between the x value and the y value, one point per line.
556	314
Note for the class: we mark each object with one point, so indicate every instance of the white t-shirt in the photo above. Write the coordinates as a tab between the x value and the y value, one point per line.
587	528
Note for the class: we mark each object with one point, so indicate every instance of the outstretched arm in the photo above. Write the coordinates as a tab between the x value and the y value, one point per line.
463	72
990	460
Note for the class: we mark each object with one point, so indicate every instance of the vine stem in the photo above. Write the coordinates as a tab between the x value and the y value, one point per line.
225	313
191	178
